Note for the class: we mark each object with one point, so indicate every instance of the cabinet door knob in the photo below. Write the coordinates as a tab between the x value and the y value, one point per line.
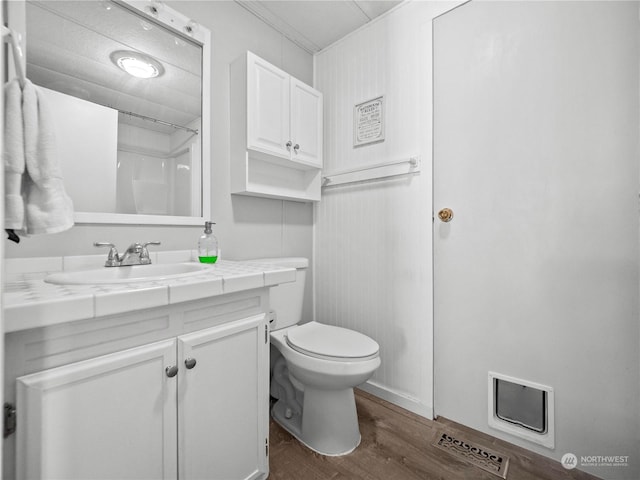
190	363
288	144
296	147
171	371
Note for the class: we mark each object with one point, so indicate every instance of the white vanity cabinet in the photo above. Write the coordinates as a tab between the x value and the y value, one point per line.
276	132
187	399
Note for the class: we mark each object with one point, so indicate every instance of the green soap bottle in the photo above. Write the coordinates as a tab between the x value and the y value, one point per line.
208	245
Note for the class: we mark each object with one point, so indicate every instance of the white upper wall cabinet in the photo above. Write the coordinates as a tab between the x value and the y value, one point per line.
276	132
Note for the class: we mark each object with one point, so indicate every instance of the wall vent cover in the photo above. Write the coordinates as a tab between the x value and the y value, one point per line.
482	457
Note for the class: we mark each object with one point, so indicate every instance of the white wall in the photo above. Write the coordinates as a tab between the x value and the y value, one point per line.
373	239
246	227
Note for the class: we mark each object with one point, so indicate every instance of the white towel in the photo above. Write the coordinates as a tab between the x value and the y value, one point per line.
48	207
14	161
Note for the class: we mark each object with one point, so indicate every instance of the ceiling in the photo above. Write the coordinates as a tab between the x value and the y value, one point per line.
316	24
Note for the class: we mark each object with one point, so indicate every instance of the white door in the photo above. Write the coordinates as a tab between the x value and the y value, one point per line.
108	417
306	124
223	402
267	108
536	275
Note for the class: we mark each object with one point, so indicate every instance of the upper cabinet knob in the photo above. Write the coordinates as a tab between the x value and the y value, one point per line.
288	144
296	147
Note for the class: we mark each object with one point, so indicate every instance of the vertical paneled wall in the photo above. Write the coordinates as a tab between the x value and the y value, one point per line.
373	250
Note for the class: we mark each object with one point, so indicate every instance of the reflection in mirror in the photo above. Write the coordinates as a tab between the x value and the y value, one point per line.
126	94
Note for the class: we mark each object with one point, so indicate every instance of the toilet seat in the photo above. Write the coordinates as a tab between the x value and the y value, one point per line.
331	343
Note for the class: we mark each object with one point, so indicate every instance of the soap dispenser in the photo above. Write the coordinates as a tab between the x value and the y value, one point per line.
208	245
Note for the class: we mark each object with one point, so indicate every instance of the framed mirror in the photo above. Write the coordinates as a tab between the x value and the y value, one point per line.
128	86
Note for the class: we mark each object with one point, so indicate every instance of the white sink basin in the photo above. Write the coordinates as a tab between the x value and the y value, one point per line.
135	273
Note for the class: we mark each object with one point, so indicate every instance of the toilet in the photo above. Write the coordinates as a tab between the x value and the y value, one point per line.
319	365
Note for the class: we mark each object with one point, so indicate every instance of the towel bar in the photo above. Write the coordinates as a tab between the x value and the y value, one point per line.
376	171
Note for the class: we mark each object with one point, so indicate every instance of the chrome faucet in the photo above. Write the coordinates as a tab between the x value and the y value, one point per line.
136	254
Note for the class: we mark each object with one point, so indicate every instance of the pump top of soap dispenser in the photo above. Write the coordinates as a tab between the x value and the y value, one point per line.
207	227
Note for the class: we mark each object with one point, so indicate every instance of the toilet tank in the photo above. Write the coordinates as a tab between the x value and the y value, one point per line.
286	299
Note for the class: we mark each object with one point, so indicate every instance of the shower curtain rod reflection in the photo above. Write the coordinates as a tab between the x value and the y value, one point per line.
161	122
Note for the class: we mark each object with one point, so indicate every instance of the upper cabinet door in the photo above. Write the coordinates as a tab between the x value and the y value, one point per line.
267	108
108	417
306	124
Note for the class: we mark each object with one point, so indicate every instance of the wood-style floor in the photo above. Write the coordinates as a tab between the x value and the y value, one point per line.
397	445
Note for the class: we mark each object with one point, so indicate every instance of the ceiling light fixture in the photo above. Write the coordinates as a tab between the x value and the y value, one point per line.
137	64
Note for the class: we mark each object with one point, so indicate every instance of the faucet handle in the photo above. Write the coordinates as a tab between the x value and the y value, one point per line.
144	255
113	260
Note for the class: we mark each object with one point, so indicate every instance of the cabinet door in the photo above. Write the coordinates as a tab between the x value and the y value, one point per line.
267	108
109	417
306	124
223	402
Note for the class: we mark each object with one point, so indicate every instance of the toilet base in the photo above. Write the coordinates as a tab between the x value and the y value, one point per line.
328	424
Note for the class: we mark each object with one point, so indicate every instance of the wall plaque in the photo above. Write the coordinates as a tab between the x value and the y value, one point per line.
368	122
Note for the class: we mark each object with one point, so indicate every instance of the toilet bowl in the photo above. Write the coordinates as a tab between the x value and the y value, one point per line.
318	367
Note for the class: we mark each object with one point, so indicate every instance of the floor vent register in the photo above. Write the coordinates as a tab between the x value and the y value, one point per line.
478	455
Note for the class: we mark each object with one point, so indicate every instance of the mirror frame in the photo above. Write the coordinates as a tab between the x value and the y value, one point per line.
175	22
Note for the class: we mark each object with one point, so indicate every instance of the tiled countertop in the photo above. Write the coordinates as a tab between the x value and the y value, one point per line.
30	302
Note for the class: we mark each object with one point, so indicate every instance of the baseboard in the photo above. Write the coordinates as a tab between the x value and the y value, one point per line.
401	400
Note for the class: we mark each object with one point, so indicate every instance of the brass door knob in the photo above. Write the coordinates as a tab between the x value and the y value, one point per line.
446	215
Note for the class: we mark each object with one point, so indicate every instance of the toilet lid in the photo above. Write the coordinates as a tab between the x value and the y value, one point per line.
320	340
